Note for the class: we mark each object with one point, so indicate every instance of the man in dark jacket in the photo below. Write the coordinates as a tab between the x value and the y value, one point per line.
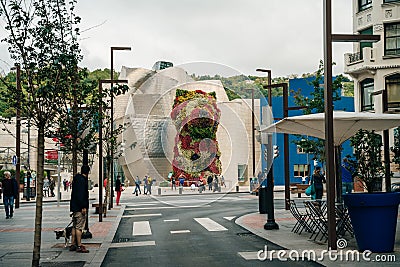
79	205
10	192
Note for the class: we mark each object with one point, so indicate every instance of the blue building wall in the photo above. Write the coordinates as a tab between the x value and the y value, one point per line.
346	104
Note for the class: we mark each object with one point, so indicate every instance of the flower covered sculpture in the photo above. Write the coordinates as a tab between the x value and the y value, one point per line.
196	118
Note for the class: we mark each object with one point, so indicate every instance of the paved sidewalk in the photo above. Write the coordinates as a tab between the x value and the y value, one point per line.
254	223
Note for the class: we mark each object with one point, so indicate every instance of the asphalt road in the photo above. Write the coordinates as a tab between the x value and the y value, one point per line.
191	231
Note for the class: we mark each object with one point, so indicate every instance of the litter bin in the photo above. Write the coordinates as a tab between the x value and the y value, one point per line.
262	200
180	190
159	191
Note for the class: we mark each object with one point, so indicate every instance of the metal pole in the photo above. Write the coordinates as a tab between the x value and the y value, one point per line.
100	152
286	146
386	155
59	175
110	205
252	134
329	146
18	132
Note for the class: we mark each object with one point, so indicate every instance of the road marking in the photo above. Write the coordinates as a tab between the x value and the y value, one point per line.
179	231
141	228
229	218
169	207
133	244
210	225
172	220
142	215
249	255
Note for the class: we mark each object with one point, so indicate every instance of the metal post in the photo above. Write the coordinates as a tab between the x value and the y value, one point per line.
329	147
85	162
59	175
386	155
18	132
100	152
252	134
112	122
286	146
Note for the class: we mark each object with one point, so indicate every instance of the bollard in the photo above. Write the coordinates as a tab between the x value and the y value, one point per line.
180	190
237	188
159	191
219	189
262	200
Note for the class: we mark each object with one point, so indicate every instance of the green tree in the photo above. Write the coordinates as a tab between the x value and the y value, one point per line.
396	147
315	104
42	38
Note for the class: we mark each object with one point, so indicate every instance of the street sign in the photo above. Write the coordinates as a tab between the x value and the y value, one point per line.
14	160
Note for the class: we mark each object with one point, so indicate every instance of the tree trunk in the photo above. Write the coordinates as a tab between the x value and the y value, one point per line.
39	198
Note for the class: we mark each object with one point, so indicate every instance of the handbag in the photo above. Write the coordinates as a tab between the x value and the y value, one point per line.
310	190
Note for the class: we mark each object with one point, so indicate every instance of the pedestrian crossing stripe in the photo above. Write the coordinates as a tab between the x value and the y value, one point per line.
172	220
229	218
133	244
210	225
141	228
179	231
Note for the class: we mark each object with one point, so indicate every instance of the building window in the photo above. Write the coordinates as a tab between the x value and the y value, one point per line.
393	90
367	101
392	39
390	1
300	150
364	4
367	31
301	170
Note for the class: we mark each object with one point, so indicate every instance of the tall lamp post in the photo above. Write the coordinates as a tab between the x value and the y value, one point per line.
101	82
329	145
113	48
18	132
271	224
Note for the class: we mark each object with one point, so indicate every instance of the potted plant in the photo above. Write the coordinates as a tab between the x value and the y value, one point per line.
373	214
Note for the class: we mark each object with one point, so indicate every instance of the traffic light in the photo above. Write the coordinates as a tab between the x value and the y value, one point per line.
276	151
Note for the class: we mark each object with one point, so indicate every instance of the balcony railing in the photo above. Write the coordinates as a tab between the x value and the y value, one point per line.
355	57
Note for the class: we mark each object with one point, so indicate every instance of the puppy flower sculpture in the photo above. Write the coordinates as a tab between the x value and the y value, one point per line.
196	118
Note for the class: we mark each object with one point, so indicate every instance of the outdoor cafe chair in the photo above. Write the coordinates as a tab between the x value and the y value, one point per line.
318	219
343	224
302	218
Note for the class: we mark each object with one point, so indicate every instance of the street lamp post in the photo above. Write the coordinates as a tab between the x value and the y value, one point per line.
112	121
101	82
18	132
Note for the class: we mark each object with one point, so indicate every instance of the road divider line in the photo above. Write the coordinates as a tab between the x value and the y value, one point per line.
229	218
142	215
169	207
210	225
133	244
172	220
141	228
179	231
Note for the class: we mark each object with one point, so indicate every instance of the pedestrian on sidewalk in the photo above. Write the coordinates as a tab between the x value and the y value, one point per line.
173	183
209	182
137	186
46	185
318	179
10	192
223	181
118	189
79	204
149	184
145	185
52	186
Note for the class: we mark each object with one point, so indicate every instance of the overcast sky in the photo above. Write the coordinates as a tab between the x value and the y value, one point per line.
283	35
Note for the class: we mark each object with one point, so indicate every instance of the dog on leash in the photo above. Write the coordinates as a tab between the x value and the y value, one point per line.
66	233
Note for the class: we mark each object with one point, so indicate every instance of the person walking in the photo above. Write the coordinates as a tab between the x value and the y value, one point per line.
79	205
118	189
209	182
52	186
223	181
145	185
137	186
149	184
10	192
318	179
173	183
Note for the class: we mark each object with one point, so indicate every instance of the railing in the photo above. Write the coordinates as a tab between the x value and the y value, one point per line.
354	57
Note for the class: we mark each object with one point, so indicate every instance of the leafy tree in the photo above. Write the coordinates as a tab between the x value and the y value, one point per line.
42	38
315	104
396	147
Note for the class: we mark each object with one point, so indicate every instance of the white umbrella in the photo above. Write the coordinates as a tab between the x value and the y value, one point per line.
345	124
